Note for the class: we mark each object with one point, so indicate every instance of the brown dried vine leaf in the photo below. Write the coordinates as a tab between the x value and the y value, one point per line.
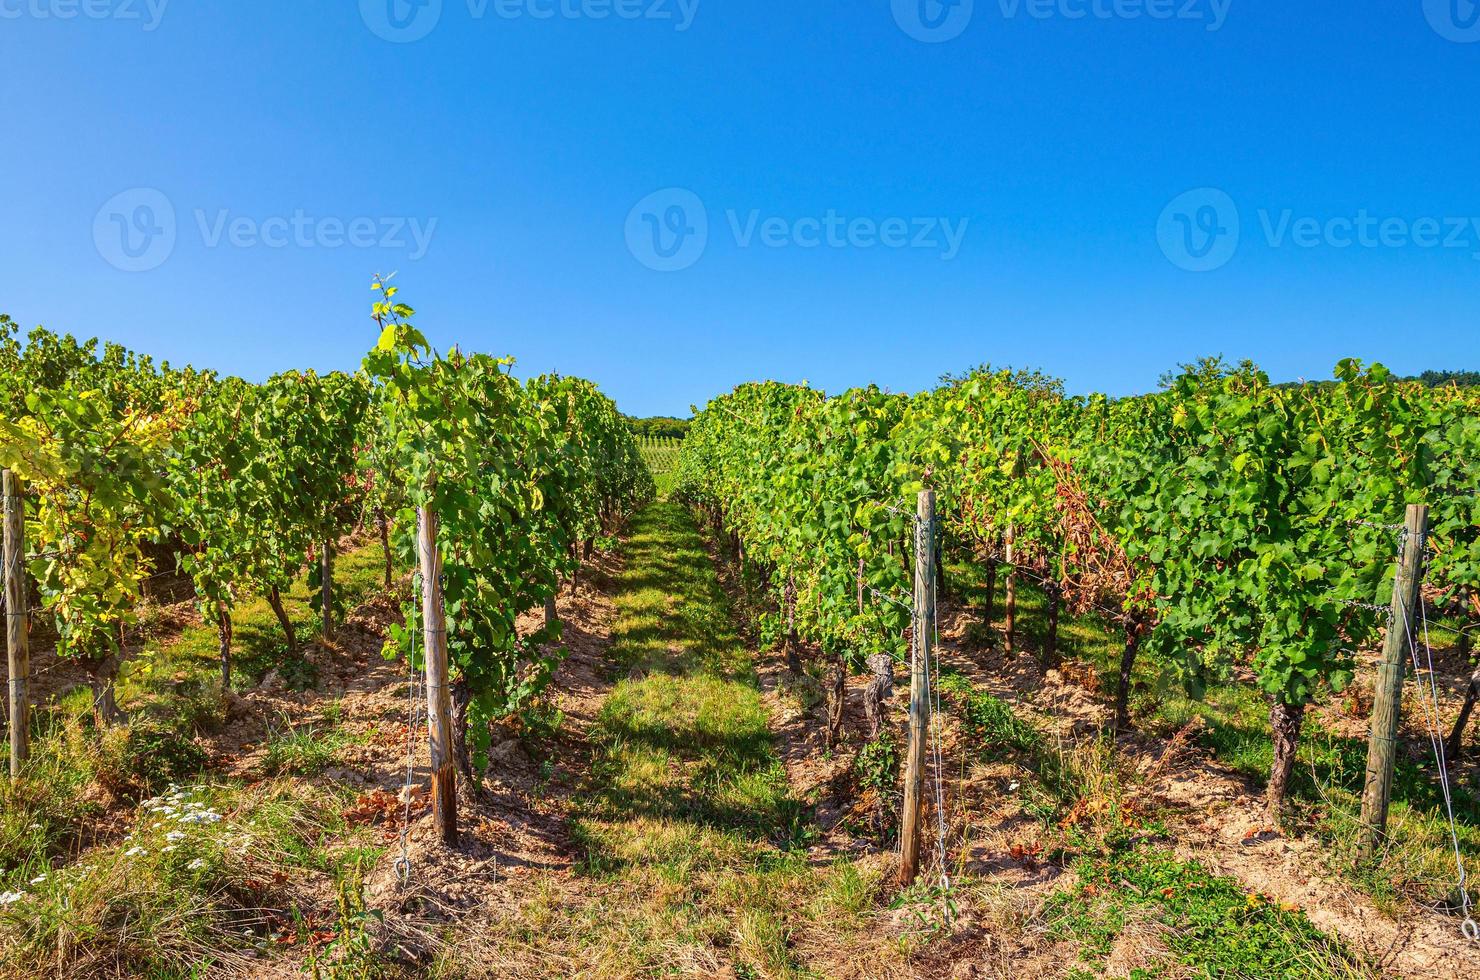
1102	568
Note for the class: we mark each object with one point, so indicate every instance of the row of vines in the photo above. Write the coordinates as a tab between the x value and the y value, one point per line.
135	470
1223	522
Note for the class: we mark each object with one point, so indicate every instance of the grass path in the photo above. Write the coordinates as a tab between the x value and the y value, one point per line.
692	853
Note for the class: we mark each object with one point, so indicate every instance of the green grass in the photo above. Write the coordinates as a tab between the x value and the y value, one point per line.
1162	917
989	721
78	773
1327	782
203	879
305	749
692	848
188	665
661	456
686	777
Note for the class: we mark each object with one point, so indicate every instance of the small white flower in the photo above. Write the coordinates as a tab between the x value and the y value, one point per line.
135	851
10	898
38	879
34	826
166	850
1012	786
175	835
196	865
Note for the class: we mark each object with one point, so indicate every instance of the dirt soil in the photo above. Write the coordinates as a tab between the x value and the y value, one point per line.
1214	815
514	835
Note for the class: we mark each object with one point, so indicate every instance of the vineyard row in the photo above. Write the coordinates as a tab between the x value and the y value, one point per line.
1223	522
124	469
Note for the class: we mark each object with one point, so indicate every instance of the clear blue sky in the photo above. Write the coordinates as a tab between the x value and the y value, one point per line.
1059	140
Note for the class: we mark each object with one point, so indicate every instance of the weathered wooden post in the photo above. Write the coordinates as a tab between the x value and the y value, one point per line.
439	693
223	644
16	639
920	650
326	588
1009	611
1387	695
791	644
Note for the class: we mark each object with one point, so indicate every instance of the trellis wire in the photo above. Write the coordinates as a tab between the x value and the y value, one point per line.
1432	722
933	694
413	702
1433	709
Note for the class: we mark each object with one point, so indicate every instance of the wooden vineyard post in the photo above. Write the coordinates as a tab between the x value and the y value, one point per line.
920	650
326	588
1387	695
439	694
1010	601
16	640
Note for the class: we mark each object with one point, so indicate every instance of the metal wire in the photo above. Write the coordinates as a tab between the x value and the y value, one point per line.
932	680
1433	719
884	597
1451	629
1380	527
413	725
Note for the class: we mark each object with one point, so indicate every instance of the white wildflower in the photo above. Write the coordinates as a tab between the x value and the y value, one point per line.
196	865
10	898
175	835
135	851
38	879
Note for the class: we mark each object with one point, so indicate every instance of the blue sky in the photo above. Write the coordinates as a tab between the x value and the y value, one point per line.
892	189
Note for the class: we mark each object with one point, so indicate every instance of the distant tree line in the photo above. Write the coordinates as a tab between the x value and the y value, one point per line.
1460	379
1212	368
659	427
